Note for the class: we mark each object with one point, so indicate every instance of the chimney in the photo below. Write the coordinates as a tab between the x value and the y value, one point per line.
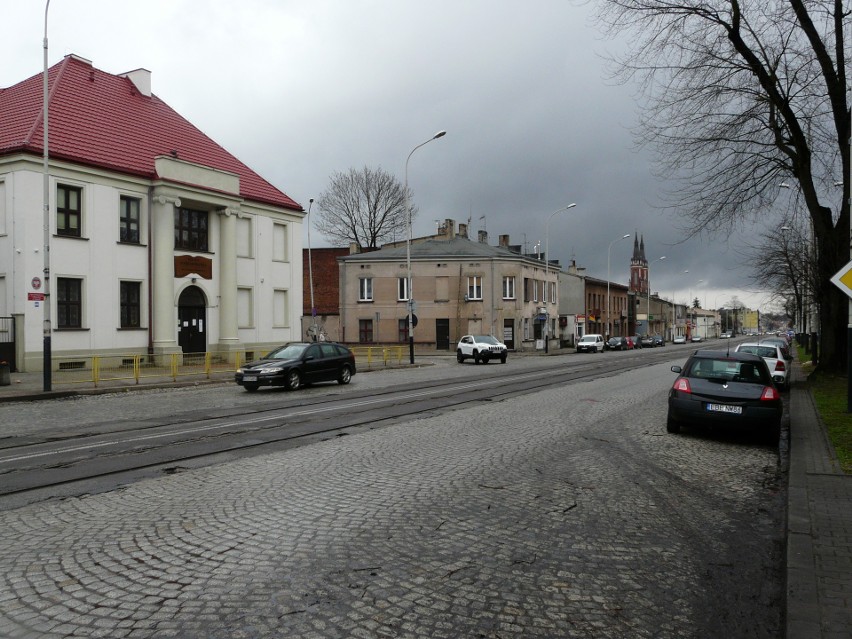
141	79
483	236
449	229
463	230
504	241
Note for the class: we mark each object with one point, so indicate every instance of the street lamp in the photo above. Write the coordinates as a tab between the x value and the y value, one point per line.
648	332
546	264
410	282
311	273
623	237
46	329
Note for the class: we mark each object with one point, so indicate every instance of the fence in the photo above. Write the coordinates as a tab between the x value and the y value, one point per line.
140	369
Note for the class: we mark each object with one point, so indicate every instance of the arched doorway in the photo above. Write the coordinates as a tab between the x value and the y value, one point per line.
192	320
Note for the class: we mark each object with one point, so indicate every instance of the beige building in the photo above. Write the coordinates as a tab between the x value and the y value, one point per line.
459	287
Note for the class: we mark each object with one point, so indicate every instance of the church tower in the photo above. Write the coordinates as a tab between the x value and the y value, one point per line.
638	267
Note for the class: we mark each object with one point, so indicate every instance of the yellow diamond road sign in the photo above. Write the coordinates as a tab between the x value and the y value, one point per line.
843	279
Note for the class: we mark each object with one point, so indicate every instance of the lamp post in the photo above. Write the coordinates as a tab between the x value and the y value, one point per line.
546	264
311	273
606	328
648	333
410	281
46	329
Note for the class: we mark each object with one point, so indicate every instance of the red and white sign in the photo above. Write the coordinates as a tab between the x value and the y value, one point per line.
36	283
35	297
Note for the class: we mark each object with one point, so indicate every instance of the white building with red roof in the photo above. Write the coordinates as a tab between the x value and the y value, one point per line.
160	240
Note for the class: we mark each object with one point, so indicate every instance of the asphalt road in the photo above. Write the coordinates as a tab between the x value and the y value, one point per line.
564	512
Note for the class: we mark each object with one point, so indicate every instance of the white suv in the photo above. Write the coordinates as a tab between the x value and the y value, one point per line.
591	343
481	348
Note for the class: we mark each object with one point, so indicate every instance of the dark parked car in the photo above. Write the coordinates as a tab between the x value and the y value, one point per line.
298	363
617	344
718	388
637	341
659	341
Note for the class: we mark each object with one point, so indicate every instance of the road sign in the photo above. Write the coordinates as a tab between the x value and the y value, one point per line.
843	279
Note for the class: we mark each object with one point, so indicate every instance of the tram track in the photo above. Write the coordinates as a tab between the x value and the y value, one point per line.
106	456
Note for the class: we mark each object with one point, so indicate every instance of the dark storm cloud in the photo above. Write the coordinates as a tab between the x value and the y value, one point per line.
300	90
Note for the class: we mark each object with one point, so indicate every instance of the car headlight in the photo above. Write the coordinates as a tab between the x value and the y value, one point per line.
269	370
240	370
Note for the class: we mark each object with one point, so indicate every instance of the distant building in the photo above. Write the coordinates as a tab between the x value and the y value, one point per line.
459	286
160	240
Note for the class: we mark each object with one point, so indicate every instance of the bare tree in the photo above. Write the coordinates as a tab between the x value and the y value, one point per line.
366	206
738	97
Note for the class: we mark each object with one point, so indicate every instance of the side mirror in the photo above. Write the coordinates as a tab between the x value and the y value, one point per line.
677	369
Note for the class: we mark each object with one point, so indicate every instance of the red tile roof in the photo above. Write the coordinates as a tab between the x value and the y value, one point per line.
102	120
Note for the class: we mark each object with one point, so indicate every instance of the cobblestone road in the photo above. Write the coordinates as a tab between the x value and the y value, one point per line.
566	513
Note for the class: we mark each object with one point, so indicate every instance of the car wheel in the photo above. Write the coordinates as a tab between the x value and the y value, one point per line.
250	388
476	357
293	379
345	375
672	426
485	359
503	359
459	357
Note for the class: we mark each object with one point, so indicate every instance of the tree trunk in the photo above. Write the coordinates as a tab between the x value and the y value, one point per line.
833	254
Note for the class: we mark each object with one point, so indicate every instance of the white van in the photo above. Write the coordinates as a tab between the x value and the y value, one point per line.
591	343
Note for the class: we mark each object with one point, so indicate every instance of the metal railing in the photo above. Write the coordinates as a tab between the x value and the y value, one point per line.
134	369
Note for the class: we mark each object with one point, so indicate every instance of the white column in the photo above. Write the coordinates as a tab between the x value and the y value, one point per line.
164	311
228	278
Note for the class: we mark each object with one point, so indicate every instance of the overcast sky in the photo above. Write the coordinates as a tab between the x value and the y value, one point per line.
301	89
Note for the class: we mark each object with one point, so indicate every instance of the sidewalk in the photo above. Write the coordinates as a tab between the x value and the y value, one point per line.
819	506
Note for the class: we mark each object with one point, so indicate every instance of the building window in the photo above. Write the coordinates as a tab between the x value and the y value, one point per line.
527	291
69	212
474	287
535	291
128	220
365	289
526	328
244	236
191	230
69	302
509	287
402	287
280	242
365	331
280	308
245	307
403	330
552	287
131	305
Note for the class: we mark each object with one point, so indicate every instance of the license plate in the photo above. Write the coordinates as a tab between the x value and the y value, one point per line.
249	378
725	408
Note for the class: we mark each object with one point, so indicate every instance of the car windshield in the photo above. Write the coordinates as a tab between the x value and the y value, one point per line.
728	370
288	351
485	339
588	338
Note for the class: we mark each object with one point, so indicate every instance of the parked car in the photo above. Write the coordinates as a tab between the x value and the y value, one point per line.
591	343
781	342
718	388
696	338
617	344
637	341
774	357
659	341
631	344
727	334
481	348
647	341
298	363
679	339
